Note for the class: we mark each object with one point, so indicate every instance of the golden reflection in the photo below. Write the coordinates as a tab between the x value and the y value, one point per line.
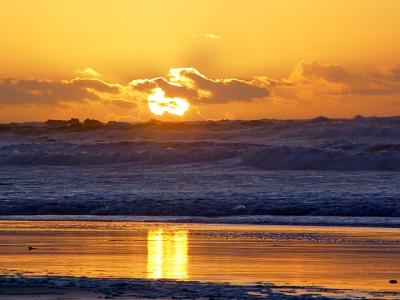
167	254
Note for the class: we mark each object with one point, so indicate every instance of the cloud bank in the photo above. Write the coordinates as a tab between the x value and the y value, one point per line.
310	86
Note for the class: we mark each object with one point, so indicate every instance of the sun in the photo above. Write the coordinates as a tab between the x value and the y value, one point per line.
159	104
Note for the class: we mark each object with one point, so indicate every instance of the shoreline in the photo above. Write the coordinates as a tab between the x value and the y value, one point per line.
340	221
49	287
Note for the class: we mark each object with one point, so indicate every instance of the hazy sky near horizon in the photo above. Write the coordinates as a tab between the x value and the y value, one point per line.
229	58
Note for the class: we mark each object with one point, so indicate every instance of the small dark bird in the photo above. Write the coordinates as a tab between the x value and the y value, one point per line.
393	281
31	248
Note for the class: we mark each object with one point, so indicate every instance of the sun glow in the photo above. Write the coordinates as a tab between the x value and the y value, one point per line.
160	104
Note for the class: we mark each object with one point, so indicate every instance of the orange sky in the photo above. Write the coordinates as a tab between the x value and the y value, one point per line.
241	59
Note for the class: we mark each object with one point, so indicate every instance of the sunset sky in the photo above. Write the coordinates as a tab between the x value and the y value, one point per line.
228	59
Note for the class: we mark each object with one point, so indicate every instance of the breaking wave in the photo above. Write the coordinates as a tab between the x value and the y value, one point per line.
274	157
301	158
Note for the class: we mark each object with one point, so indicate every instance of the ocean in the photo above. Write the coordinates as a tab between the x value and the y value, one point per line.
319	167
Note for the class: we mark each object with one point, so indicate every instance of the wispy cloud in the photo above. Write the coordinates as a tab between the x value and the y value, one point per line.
212	36
87	73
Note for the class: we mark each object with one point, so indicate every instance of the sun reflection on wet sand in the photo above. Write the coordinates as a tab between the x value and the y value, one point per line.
331	257
167	254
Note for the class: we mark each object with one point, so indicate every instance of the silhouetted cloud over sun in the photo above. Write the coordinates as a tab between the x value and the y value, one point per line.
191	84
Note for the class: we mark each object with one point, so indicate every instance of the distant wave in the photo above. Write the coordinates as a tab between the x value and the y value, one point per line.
302	158
316	144
116	153
332	157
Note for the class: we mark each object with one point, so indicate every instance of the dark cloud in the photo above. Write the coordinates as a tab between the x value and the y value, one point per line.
121	103
32	91
333	79
220	90
395	73
311	71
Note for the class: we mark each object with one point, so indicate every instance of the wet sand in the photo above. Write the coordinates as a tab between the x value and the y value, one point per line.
363	259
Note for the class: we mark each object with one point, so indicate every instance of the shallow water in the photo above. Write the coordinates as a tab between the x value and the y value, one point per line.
196	190
334	257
